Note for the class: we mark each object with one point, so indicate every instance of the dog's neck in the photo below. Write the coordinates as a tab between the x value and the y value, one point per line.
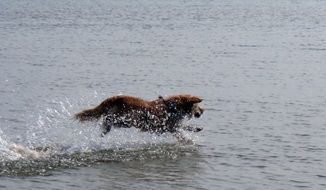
172	115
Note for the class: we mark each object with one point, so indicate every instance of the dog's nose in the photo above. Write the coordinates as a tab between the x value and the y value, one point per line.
197	114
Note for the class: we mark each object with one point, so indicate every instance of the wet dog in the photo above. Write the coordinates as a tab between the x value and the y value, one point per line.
157	116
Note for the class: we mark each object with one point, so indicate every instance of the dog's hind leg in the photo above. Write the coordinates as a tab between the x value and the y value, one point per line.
106	125
105	131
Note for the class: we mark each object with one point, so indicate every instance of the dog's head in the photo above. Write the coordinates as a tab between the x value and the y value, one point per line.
183	106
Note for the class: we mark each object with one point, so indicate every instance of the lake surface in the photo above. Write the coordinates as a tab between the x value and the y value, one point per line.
259	66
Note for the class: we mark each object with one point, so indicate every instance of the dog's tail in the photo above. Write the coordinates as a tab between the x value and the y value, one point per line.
95	113
88	115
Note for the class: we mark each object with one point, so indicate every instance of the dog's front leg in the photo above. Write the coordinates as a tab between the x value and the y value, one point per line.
193	129
181	138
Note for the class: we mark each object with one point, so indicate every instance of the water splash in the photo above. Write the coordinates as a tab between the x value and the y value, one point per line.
55	140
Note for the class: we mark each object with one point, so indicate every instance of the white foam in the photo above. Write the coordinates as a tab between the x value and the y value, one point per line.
13	151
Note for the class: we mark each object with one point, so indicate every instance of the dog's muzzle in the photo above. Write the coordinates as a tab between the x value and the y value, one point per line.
198	112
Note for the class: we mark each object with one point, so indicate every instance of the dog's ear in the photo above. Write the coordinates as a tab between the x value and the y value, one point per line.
194	100
161	99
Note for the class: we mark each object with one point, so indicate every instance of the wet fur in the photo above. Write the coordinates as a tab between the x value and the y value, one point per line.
159	116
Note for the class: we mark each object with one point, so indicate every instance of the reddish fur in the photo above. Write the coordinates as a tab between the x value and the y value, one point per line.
130	102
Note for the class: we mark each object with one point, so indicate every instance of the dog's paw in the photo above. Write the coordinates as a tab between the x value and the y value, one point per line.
186	141
193	129
197	129
183	139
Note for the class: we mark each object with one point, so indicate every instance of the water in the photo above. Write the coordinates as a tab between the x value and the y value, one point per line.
259	66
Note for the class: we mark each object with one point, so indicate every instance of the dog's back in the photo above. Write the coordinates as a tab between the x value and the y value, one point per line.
111	103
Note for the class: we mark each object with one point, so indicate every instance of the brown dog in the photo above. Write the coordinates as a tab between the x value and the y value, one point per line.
159	116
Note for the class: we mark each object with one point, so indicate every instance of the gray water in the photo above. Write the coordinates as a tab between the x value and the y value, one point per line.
259	66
